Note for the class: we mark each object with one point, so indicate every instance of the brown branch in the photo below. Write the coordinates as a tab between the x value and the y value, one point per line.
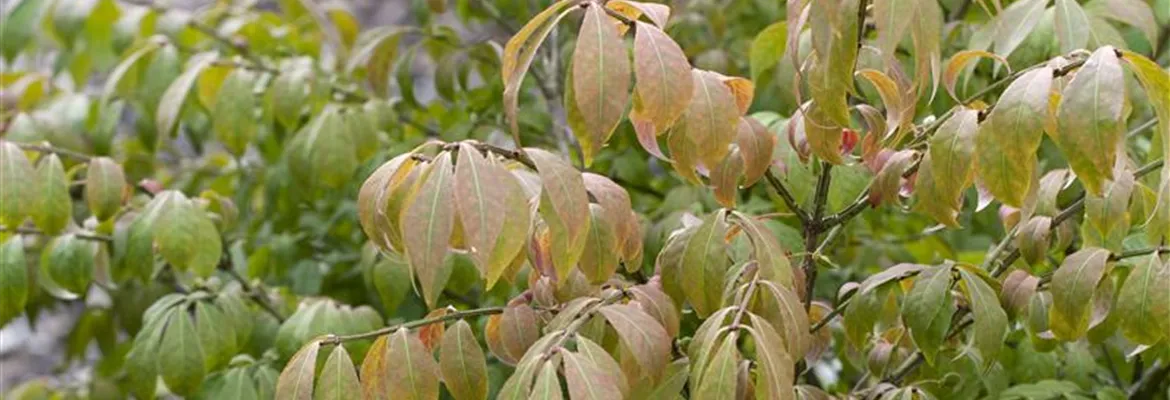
786	195
338	339
55	150
80	235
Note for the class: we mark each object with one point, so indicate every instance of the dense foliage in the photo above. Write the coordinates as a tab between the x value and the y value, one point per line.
907	199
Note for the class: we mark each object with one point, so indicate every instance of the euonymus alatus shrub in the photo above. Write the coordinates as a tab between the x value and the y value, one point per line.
598	199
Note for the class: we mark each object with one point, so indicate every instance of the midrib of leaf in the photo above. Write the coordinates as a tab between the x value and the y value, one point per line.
710	112
584	379
600	70
1077	278
664	88
434	205
462	359
479	200
705	256
595	232
935	313
645	336
409	366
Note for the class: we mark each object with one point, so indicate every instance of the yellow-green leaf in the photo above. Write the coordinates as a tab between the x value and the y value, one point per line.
180	357
1089	118
170	106
991	321
1007	140
1073	287
1144	302
958	63
14	279
1071	26
52	207
601	76
927	310
704	264
564	205
719	376
296	380
234	113
105	187
767	48
16	185
599	260
187	238
338	380
519	52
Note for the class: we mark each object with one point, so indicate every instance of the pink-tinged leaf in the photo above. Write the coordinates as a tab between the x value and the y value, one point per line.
709	123
770	257
656	13
952	153
373	371
480	193
517	329
782	308
725	178
1008	138
1144	302
428	221
1018	289
657	304
462	363
588	381
1089	118
547	385
601	75
897	100
719	377
521	49
1032	239
664	85
615	202
646	339
756	144
296	381
1015	23
564	205
371	201
644	129
833	27
888	182
958	63
512	239
1071	22
1073	287
338	380
412	373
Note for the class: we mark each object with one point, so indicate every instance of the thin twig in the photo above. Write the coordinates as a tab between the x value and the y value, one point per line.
786	195
87	235
55	150
336	339
257	296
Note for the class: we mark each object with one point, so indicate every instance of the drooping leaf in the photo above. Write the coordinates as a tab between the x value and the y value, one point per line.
1032	239
704	264
339	379
428	221
725	178
14	279
519	52
774	379
287	96
480	193
599	260
709	123
719	376
513	331
756	145
664	85
413	373
1144	302
52	207
991	321
462	363
217	337
1007	140
646	339
66	266
234	113
783	308
601	76
105	185
1071	21
371	199
888	183
587	380
1156	83
170	106
296	380
958	63
1089	125
927	310
1073	287
833	27
187	238
769	255
547	385
180	359
767	48
1014	24
373	371
1133	12
564	205
16	188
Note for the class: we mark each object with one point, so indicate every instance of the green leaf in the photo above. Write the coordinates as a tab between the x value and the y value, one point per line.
125	73
216	335
325	156
607	379
287	96
1008	138
519	52
586	380
187	238
1071	21
833	27
1136	13
673	381
20	26
296	380
892	19
719	376
170	105
1032	239
1089	118
664	86
774	379
781	307
601	77
1073	287
180	358
927	310
547	386
767	49
1144	302
428	220
564	205
105	187
704	264
238	385
14	279
991	321
68	262
379	53
1014	24
769	255
16	187
52	207
234	113
952	151
413	374
462	363
338	380
1156	83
